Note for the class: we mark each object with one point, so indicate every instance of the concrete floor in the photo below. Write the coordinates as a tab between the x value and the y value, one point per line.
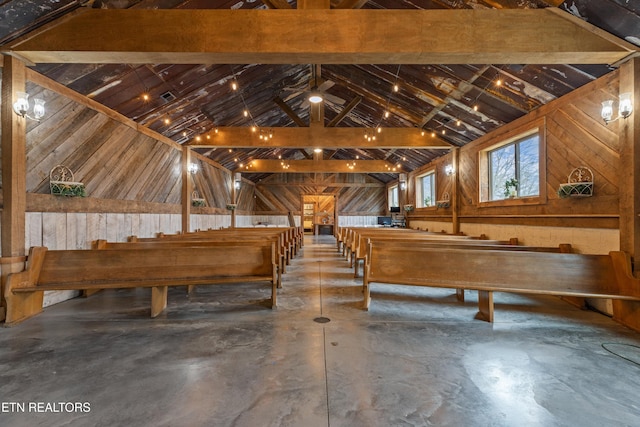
222	358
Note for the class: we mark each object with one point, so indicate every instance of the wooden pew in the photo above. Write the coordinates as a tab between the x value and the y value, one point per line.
359	241
284	236
470	243
171	243
488	271
157	268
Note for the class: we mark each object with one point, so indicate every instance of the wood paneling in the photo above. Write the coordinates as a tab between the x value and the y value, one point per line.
358	194
575	136
113	160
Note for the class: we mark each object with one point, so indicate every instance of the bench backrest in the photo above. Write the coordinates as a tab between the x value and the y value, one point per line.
76	266
539	272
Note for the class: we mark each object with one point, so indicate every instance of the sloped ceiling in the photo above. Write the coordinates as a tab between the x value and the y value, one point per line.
187	101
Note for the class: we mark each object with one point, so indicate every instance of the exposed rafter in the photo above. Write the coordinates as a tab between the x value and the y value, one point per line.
320	137
290	37
318	166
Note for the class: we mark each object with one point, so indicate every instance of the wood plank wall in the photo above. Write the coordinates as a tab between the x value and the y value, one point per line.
575	136
358	194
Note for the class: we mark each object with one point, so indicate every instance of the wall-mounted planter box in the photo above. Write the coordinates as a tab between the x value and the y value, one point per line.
196	200
61	183
408	208
579	184
232	206
575	189
67	188
445	202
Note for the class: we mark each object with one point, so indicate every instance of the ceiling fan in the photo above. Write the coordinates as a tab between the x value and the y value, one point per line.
316	90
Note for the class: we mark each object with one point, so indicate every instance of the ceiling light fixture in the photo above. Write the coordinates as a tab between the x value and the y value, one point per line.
315	97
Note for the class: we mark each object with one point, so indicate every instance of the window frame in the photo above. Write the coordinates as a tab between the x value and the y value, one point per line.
390	190
508	138
419	186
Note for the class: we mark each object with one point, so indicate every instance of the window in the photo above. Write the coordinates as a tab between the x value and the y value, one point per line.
515	162
393	197
426	190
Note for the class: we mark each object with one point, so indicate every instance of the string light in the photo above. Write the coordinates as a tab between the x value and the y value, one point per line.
234	85
245	113
386	114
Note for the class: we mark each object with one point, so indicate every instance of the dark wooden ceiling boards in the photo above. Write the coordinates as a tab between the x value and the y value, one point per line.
186	101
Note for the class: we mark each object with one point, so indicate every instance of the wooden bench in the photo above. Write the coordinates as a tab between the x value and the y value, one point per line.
157	268
230	235
360	237
488	271
434	241
170	243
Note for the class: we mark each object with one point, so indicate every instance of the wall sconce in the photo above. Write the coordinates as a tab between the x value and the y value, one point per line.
449	170
237	179
21	107
403	180
193	168
625	108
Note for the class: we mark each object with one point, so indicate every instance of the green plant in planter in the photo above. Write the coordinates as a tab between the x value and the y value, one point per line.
583	189
510	188
68	189
427	201
198	203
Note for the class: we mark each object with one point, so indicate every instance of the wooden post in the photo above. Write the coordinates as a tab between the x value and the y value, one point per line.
186	190
627	312
234	199
14	179
455	154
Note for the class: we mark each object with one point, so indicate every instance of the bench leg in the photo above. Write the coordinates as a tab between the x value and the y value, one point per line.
485	306
274	294
367	296
190	289
22	305
460	295
158	299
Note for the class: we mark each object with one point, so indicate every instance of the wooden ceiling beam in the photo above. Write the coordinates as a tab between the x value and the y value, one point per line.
319	137
317	166
289	112
219	36
346	110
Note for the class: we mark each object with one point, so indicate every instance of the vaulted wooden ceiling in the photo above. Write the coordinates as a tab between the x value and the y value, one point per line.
188	101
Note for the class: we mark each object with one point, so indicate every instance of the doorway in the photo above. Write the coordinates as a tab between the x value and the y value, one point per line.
318	213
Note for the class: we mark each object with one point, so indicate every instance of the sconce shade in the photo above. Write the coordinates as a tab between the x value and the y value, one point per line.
607	110
449	170
38	109
237	179
21	106
626	105
193	168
